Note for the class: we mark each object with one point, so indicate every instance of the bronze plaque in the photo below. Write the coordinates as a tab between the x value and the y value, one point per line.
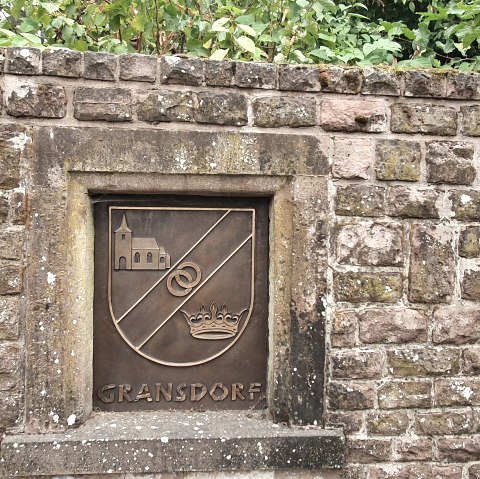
181	303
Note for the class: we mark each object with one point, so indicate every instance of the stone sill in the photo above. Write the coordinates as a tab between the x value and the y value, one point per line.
158	442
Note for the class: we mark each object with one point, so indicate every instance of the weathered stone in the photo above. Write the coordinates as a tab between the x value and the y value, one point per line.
398	160
13	140
352	158
425	84
9	410
275	111
354	472
380	82
357	364
368	287
387	423
298	78
344	324
415	471
456	325
337	79
474	471
464	449
182	71
4	206
471	360
366	451
41	101
164	105
9	318
23	61
350	396
138	68
370	244
450	162
392	326
470	120
423	362
446	422
405	394
470	287
11	279
221	109
465	205
457	392
463	85
100	66
62	62
353	115
11	241
469	242
406	202
18	208
2	59
107	104
426	119
219	73
255	75
432	264
9	366
360	200
351	422
413	449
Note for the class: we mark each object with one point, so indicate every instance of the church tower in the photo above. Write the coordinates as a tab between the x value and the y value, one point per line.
123	246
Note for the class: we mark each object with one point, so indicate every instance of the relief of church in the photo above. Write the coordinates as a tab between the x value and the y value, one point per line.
138	253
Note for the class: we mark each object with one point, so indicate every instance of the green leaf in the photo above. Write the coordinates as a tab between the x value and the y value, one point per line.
50	7
219	54
303	3
248	30
218	25
247	44
33	39
139	22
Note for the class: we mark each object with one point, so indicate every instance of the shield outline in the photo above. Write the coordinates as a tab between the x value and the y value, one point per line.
252	283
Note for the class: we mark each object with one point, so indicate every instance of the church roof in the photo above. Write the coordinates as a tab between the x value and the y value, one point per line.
124	226
144	243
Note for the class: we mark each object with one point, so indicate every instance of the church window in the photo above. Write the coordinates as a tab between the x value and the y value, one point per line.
136	258
123	237
162	259
149	258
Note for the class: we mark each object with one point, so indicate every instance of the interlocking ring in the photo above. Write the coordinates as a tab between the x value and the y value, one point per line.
187	283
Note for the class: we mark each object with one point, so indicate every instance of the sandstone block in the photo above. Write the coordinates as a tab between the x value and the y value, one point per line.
368	287
405	394
457	392
182	71
415	471
221	109
470	120
9	317
425	84
351	422
274	111
380	82
18	208
357	364
432	264
9	409
11	243
354	472
450	162
42	101
474	471
350	396
413	449
412	203
13	140
398	160
100	66
426	119
107	104
360	200
392	326
219	73
255	75
372	244
4	206
471	360
352	158
470	287
298	78
9	366
465	205
2	59
423	362
454	449
469	242
366	451
353	115
62	62
463	85
337	79
138	68
23	61
387	423
344	324
456	325
11	279
166	105
446	422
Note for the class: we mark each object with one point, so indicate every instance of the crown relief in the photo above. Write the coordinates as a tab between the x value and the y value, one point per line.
214	323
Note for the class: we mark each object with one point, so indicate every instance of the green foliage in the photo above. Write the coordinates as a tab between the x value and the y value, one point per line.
408	33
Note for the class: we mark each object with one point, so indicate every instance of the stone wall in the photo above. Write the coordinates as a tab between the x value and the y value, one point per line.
402	230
